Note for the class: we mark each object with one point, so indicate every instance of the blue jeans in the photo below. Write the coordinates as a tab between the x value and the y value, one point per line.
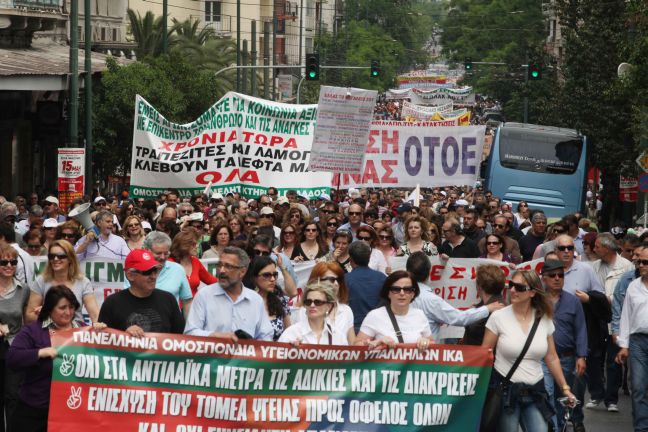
526	414
614	372
568	366
638	363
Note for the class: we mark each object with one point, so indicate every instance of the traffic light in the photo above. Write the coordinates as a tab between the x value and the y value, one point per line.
468	64
312	67
375	69
534	72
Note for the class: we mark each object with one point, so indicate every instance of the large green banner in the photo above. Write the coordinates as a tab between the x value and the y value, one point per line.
110	381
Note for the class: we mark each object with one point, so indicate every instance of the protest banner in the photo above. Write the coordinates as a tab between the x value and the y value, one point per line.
342	129
439	96
163	383
400	154
241	144
71	175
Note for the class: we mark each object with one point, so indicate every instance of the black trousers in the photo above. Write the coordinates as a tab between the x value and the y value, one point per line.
29	419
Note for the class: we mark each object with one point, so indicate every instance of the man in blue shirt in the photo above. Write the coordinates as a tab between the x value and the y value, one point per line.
227	307
570	337
364	284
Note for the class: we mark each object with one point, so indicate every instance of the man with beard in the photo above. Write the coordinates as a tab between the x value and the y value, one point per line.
227	309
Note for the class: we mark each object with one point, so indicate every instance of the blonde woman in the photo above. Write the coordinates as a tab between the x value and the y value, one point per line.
63	268
133	232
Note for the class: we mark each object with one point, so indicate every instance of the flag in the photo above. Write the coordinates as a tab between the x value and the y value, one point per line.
415	196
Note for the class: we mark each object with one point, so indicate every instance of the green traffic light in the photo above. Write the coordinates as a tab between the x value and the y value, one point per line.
534	74
374	73
312	74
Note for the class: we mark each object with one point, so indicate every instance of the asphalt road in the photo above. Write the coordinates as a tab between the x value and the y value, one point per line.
599	420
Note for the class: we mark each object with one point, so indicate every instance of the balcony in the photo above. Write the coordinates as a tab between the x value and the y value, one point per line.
20	19
221	24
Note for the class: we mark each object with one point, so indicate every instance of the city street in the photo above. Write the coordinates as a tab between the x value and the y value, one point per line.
599	420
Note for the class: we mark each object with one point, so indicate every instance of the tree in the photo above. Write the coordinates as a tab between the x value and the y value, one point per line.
147	32
179	90
188	31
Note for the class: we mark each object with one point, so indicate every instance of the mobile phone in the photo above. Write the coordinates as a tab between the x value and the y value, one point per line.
242	334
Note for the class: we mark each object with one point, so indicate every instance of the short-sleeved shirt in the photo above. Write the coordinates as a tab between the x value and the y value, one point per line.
114	247
342	322
172	279
413	325
510	341
81	288
158	313
301	331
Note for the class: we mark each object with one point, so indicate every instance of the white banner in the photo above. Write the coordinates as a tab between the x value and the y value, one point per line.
241	144
404	155
342	129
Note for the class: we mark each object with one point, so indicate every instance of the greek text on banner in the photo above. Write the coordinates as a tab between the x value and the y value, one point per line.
167	383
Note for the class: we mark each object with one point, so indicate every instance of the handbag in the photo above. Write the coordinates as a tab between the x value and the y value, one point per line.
493	404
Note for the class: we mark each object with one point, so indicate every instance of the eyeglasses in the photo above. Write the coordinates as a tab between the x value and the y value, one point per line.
228	266
492	243
269	275
133	225
295	216
642	262
318	303
405	289
331	279
499	226
4	262
523	205
101	204
559	231
565	248
364	238
55	257
355	213
554	275
385	237
328	211
289	232
310	230
149	272
185	211
250	223
68	235
258	252
519	287
332	224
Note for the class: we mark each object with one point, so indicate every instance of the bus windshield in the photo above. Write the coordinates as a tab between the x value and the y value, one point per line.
539	152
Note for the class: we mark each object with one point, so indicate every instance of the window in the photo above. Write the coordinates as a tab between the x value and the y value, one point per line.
540	152
114	35
212	11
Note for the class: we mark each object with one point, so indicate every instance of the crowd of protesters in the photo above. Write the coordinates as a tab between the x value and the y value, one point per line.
585	309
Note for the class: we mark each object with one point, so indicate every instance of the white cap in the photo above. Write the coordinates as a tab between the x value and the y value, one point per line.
266	210
462	202
217	196
325	197
443	193
53	200
283	200
197	216
354	193
99	198
146	225
50	223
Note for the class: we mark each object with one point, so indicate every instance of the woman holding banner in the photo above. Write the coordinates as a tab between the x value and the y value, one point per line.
319	303
63	268
523	336
396	322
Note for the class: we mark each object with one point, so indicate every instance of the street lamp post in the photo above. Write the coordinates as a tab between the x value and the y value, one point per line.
87	18
165	35
74	73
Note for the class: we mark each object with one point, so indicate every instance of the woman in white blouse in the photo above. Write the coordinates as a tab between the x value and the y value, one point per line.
319	301
398	291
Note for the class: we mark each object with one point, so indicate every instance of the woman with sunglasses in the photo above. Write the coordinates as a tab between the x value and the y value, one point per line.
14	296
341	316
294	216
340	251
63	268
184	251
318	301
219	239
398	292
507	329
311	246
417	237
330	226
377	260
70	231
262	276
495	249
522	214
133	232
34	240
287	239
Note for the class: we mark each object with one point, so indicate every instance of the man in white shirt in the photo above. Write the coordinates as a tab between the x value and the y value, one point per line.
633	340
437	310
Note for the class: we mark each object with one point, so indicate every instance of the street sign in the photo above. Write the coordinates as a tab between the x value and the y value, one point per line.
642	161
628	187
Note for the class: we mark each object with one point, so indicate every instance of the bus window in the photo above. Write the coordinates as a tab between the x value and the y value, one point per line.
540	153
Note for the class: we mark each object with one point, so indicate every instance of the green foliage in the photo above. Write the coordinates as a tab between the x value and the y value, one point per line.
179	89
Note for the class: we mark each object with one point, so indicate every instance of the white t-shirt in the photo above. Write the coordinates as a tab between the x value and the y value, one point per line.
301	331
510	341
413	325
81	288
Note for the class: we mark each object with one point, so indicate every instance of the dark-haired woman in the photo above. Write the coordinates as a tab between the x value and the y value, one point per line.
262	276
398	291
31	353
312	245
495	249
507	329
220	238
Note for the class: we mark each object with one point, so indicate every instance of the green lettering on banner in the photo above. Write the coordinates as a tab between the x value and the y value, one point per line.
105	378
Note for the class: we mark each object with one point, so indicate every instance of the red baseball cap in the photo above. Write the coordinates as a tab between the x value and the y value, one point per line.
141	260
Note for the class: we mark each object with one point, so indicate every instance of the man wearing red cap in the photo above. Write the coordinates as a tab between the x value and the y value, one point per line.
142	308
